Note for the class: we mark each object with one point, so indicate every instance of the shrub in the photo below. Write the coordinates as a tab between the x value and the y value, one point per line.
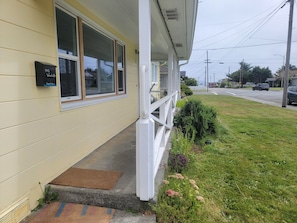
196	119
185	90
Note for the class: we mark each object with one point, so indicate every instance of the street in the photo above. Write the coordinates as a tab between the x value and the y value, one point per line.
272	97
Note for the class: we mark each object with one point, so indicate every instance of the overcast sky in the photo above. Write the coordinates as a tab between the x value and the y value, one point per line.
231	31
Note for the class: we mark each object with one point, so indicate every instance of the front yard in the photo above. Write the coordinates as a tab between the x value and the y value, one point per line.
247	173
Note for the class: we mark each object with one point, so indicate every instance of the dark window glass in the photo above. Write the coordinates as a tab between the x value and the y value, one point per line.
66	29
98	62
68	77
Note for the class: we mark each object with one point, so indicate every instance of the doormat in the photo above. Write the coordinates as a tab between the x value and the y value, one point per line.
67	212
86	178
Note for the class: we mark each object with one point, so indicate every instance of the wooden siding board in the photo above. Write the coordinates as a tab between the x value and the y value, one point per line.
14	88
20	112
17	63
35	15
25	40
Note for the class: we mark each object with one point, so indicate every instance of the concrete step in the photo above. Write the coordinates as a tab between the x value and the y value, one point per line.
102	198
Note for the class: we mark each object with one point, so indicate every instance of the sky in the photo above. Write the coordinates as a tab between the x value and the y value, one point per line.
231	31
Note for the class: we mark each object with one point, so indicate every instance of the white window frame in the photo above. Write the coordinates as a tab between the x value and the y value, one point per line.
123	69
72	58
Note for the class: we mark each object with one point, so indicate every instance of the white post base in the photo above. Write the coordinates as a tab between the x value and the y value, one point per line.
145	181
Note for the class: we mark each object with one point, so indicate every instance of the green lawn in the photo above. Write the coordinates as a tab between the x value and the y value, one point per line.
249	172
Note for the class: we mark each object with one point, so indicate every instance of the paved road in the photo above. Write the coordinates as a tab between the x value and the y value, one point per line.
271	97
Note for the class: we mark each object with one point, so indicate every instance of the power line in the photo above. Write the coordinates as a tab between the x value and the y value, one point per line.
261	24
237	47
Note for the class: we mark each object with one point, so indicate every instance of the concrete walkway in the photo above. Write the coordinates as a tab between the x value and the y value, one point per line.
117	154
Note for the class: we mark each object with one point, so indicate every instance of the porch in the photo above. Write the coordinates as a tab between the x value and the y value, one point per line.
118	154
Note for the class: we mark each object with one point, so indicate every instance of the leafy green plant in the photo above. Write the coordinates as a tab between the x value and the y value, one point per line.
180	153
181	143
48	197
196	119
180	198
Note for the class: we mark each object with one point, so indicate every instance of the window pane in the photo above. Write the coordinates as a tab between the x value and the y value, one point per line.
121	80
154	73
66	29
68	77
98	62
120	57
121	75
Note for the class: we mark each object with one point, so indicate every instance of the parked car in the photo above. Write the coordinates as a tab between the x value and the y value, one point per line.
261	86
292	94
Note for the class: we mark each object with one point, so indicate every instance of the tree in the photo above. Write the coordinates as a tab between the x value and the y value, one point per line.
259	75
242	75
189	81
247	73
280	73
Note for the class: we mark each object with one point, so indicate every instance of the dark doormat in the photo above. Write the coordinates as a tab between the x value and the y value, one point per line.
58	212
87	178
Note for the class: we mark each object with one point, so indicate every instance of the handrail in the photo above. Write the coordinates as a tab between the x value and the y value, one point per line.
160	102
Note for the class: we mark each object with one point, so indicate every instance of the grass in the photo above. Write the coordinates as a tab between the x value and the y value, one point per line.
249	172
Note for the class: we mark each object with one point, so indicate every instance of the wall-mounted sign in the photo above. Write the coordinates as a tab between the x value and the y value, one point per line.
45	74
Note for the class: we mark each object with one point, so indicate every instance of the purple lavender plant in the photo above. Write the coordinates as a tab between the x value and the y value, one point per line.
177	162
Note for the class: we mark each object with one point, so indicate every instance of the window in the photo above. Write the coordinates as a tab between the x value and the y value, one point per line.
154	73
68	55
91	64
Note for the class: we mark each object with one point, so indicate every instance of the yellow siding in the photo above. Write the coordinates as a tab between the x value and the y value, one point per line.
13	62
38	141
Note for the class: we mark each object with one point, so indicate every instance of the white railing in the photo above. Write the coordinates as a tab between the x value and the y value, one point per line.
162	112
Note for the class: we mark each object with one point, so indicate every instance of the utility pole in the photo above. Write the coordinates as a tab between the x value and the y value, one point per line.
205	77
284	103
207	62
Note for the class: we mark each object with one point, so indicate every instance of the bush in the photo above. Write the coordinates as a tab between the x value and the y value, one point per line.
185	90
196	120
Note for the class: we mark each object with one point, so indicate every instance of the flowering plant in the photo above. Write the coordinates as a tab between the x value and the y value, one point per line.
177	162
180	197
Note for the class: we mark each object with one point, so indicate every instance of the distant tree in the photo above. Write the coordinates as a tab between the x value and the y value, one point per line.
259	75
190	81
280	73
242	75
247	73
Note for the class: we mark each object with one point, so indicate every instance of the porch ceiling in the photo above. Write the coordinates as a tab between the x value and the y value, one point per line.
173	23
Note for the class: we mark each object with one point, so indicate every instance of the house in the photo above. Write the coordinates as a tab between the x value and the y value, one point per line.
94	58
271	81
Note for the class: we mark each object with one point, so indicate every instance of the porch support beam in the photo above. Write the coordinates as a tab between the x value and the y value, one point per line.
170	71
145	183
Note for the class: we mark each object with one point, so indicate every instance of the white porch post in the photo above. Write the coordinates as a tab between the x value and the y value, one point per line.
170	71
145	125
175	75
